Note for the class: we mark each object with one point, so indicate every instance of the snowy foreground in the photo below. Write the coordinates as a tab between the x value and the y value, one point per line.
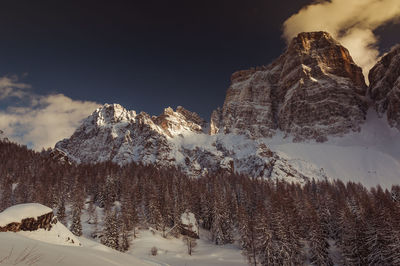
20	249
16	249
173	251
59	246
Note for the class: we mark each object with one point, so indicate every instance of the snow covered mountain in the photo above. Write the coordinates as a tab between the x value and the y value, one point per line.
306	115
175	138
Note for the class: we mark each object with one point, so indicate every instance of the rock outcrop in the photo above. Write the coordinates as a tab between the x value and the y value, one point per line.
18	218
44	221
384	87
179	121
39	221
312	91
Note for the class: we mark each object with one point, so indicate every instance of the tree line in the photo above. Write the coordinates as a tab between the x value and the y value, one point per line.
275	222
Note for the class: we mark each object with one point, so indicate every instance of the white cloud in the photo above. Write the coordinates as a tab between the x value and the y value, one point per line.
351	22
9	87
39	120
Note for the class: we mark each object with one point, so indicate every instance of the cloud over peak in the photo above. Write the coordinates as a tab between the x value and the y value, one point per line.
39	120
351	22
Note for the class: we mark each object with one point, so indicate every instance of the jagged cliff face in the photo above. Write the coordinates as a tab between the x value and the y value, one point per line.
175	138
312	91
113	133
384	88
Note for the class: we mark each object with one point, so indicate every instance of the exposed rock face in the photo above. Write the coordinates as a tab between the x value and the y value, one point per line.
35	217
175	138
384	87
180	121
313	90
59	155
26	217
44	221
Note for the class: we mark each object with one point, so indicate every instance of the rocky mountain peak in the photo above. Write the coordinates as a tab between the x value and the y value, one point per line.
311	91
384	87
111	114
179	122
329	54
170	139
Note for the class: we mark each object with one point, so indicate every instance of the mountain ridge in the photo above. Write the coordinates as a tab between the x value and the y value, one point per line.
312	93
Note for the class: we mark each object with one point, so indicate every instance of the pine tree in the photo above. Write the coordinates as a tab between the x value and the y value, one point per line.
352	235
111	230
77	206
380	237
269	247
248	237
76	226
61	216
95	225
124	241
319	246
222	227
5	195
91	210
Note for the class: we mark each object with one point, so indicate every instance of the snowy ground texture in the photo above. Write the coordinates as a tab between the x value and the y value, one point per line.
371	156
16	249
173	251
43	247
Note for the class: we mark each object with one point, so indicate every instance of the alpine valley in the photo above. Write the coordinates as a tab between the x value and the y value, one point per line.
307	115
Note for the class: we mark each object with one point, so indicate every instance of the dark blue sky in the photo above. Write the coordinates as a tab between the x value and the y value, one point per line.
145	55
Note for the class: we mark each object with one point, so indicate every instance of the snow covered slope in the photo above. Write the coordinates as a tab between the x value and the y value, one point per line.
36	221
173	251
50	246
313	93
371	156
16	249
171	139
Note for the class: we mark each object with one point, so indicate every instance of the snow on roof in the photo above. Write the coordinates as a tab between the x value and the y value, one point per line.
19	212
188	219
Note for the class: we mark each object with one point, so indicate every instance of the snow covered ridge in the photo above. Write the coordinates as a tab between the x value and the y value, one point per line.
371	156
270	124
36	221
172	139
